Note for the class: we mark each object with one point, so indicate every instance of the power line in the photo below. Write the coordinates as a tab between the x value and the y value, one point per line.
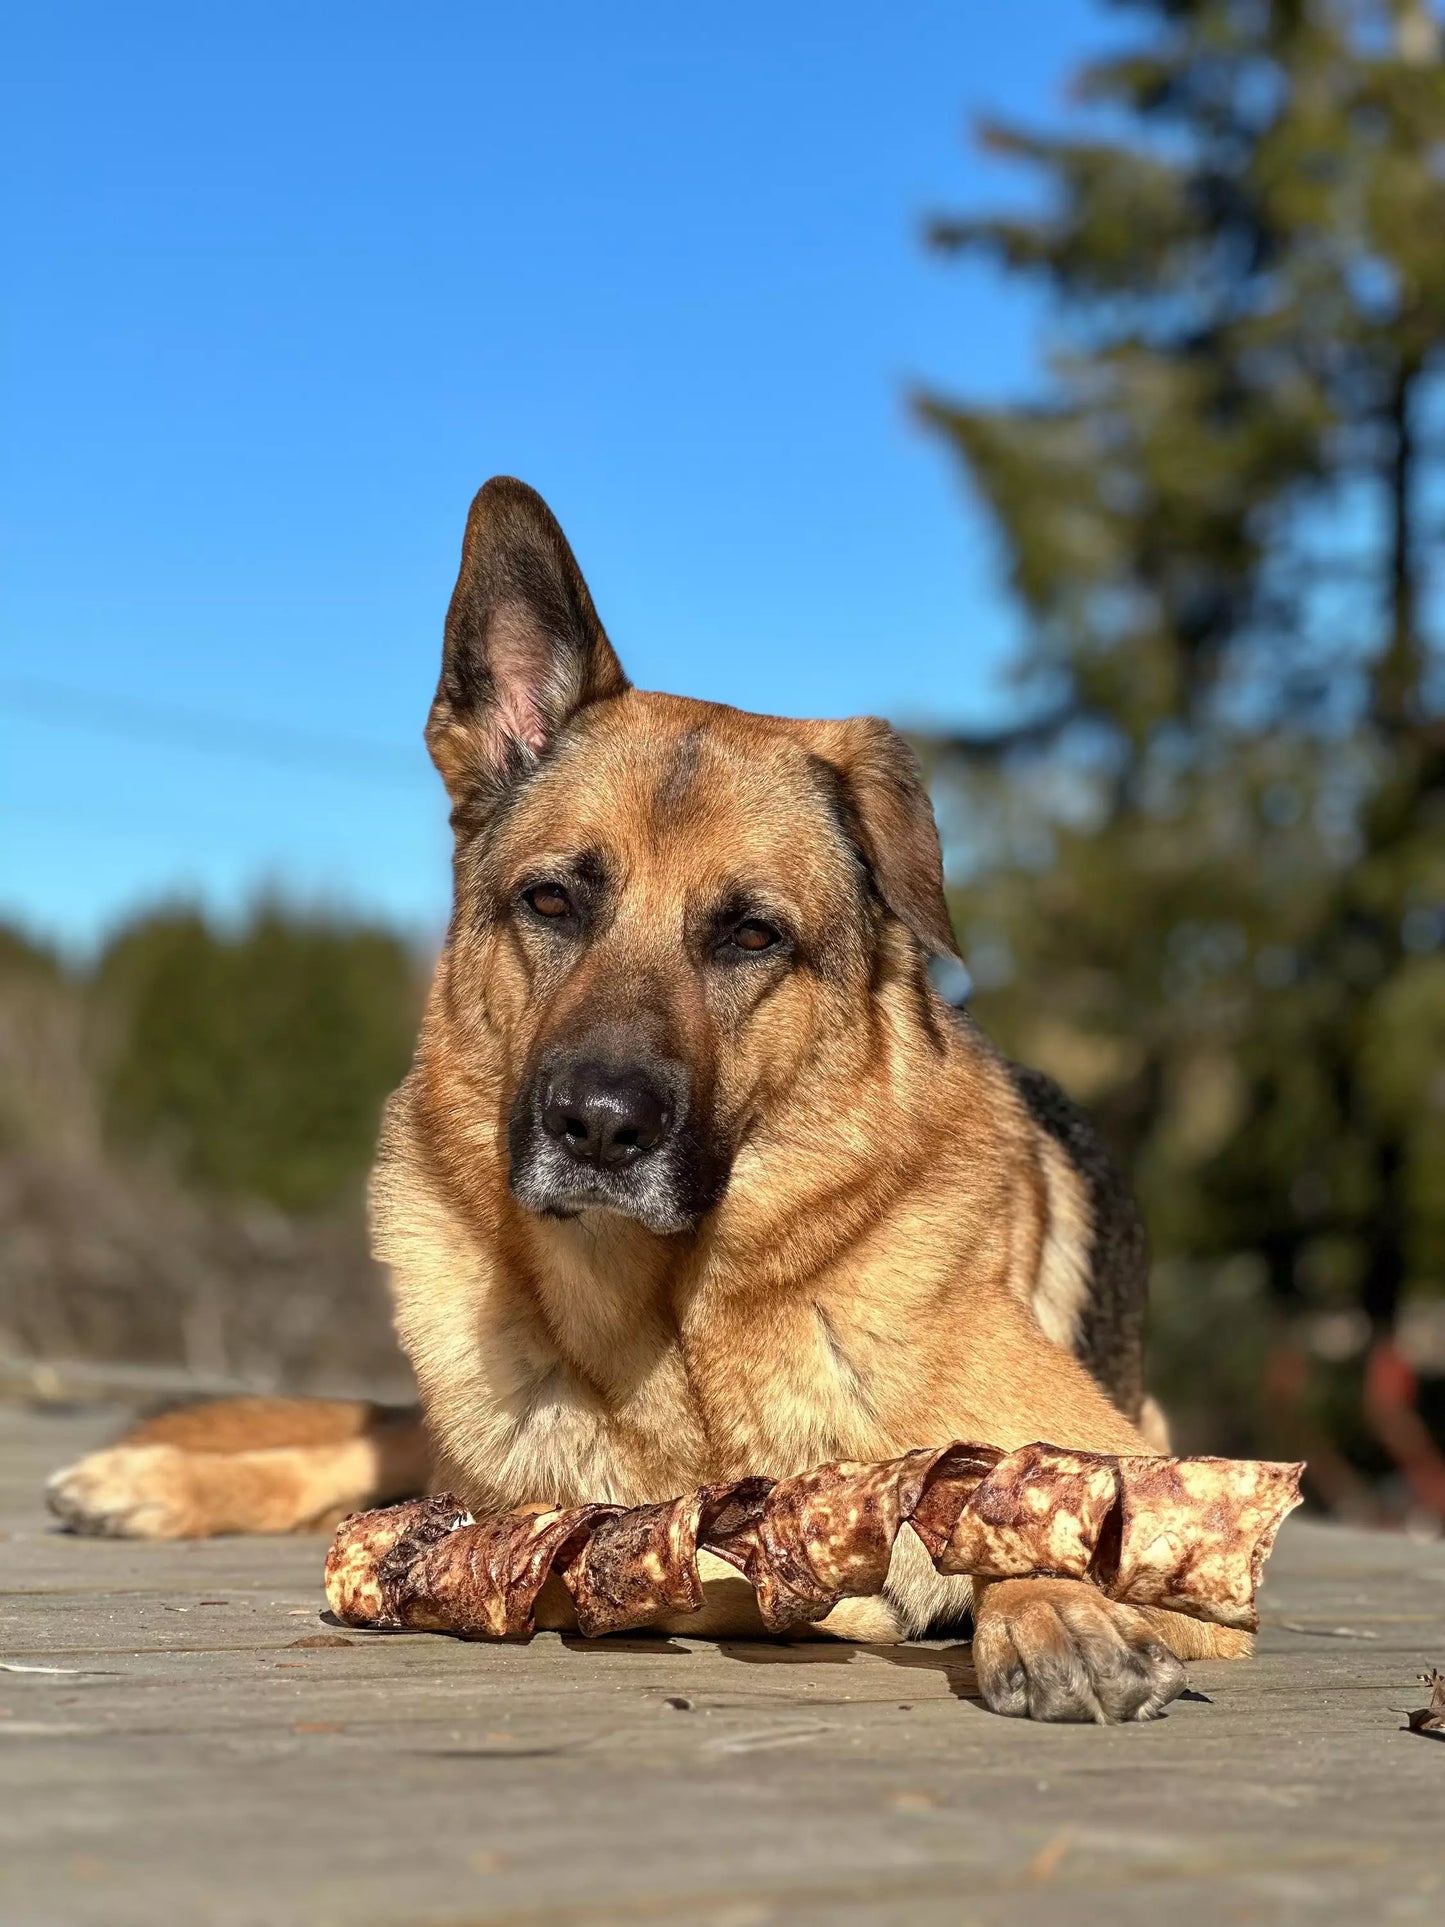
159	823
208	732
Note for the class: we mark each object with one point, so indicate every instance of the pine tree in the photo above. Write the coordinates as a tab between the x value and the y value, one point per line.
254	1061
1204	880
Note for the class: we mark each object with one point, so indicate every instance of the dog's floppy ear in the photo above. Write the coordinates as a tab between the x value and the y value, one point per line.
879	789
524	650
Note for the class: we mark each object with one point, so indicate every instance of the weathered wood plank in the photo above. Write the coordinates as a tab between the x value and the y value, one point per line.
197	1763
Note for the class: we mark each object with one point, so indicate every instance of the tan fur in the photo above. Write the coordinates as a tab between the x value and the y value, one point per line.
867	1284
899	1256
254	1424
149	1487
1061	1287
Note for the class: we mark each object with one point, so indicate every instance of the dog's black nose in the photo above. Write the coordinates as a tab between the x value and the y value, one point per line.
605	1115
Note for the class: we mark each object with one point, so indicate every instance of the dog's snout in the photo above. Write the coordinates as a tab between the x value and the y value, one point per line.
599	1129
605	1115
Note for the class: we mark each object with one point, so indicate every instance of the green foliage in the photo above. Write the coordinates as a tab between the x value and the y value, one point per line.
255	1061
1204	886
38	1080
22	959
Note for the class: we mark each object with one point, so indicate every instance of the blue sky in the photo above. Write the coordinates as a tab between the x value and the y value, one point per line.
289	281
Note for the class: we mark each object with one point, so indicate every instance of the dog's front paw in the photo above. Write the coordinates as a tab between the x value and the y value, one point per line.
1056	1649
129	1492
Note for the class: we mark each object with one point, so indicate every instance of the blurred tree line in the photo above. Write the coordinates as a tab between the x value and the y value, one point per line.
252	1062
255	1060
186	1125
1204	881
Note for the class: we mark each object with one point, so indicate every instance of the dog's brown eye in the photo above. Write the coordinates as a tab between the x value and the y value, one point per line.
753	935
548	900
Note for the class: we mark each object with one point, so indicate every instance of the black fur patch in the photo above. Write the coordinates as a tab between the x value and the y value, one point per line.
1110	1341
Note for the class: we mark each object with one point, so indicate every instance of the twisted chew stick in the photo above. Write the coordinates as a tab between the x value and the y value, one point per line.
1189	1534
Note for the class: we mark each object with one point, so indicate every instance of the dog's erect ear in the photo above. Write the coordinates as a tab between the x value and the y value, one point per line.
889	817
524	649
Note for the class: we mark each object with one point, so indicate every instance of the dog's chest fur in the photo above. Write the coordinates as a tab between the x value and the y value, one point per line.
622	1395
575	1368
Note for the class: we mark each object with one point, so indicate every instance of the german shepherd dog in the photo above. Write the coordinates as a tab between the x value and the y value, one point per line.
694	1174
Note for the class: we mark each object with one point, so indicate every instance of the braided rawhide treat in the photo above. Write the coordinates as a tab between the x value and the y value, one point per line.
1188	1534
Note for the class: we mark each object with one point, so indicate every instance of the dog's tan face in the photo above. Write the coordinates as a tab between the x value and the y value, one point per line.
665	910
666	920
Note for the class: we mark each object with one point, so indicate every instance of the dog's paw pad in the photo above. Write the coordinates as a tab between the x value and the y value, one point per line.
129	1492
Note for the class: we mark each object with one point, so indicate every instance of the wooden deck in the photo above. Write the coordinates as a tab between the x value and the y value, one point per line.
183	1739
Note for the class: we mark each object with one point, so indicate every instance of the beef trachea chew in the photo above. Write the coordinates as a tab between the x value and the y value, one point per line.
1191	1535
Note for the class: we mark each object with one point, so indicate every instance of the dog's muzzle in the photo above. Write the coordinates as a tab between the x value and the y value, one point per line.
591	1133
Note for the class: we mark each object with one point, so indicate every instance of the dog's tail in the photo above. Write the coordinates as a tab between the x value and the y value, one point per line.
245	1465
